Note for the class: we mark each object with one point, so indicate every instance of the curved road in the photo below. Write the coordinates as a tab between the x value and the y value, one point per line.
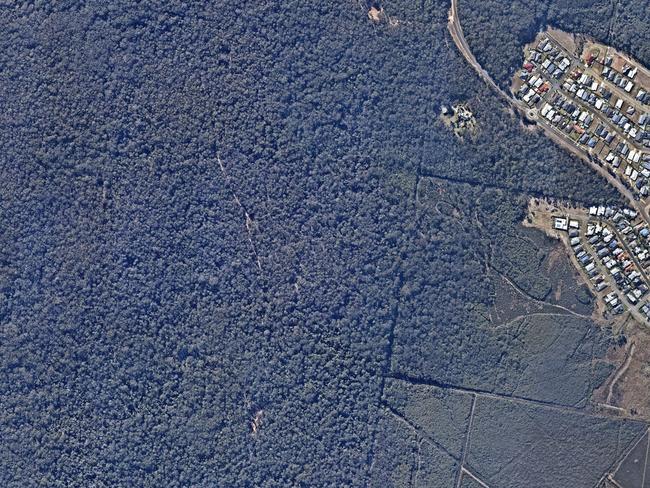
552	132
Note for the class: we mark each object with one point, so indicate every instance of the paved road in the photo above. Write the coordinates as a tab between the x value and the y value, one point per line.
553	133
459	39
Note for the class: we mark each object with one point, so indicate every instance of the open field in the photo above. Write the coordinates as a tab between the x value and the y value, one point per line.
558	355
513	446
633	469
510	302
482	440
629	390
568	40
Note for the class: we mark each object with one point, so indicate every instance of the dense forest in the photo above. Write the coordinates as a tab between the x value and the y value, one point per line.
223	225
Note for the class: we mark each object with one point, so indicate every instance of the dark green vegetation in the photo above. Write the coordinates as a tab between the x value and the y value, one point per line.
405	458
634	471
536	277
569	289
568	294
497	31
441	416
153	303
521	255
545	356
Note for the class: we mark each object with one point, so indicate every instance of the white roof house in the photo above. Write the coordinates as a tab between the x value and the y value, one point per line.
560	223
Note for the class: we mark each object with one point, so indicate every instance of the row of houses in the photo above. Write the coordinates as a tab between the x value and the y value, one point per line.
622	117
635	233
619	264
614	253
585	257
586	111
617	79
623	79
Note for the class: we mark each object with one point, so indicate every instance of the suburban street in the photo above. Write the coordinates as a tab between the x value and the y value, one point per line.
609	85
456	31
